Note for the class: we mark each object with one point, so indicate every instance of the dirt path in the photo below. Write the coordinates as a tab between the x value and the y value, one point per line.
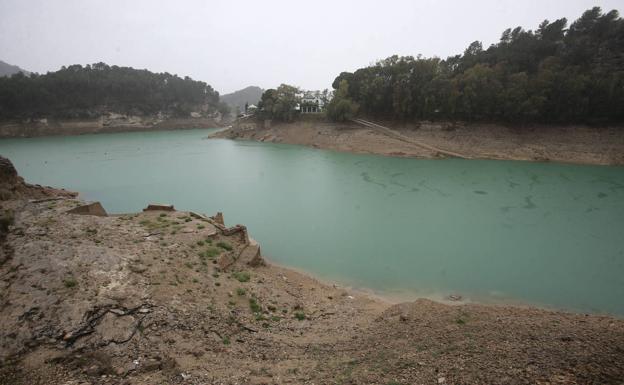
396	135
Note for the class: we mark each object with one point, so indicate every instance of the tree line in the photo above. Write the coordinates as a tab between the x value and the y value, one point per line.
554	74
77	91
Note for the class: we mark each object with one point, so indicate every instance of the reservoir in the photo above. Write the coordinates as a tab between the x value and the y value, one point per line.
545	234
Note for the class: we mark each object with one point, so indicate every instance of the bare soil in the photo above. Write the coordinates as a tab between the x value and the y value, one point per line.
572	144
168	297
46	127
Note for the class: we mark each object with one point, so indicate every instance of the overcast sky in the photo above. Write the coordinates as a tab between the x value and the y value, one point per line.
233	44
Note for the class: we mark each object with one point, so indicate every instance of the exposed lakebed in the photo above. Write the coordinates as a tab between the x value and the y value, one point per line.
541	233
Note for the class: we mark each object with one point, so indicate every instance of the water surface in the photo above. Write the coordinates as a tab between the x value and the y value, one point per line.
542	233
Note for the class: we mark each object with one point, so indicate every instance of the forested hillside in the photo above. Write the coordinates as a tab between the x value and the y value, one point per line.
554	74
78	91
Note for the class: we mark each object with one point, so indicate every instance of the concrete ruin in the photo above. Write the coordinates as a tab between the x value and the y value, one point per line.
94	208
159	207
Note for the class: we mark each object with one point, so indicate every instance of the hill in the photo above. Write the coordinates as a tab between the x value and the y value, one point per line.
93	90
249	95
555	74
7	69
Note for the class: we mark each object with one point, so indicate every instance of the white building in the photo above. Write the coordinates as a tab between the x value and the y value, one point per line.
312	102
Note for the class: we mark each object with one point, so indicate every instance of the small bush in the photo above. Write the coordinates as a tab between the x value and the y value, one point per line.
70	282
240	291
225	246
242	276
226	341
200	243
211	252
300	315
254	305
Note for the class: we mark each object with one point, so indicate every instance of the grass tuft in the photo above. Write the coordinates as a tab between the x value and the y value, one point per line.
224	245
242	276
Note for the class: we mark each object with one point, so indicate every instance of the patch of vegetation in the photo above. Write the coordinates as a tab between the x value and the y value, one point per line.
70	282
200	243
240	291
226	341
299	315
254	306
162	215
201	227
209	253
224	245
242	276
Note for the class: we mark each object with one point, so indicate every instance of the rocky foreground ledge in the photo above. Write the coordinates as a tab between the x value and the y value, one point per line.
174	297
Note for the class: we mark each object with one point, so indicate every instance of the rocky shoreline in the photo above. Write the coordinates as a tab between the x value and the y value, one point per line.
580	145
176	297
108	123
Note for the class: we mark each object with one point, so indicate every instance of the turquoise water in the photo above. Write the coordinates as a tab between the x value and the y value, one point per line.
540	233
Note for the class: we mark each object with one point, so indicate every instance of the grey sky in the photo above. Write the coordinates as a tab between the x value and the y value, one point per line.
233	44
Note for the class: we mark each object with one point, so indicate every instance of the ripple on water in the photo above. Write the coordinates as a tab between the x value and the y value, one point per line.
368	179
529	202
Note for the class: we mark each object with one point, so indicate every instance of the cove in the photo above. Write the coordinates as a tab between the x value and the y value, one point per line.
493	231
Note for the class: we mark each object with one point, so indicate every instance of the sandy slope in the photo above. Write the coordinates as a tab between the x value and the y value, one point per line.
538	143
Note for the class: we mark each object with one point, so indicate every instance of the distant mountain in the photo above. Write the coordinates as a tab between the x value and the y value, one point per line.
7	69
250	95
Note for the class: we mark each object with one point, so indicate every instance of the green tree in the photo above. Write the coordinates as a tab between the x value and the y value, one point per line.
280	103
341	108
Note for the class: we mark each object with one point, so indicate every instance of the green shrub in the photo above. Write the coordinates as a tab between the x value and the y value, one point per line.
224	245
70	282
242	276
300	315
254	305
240	291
